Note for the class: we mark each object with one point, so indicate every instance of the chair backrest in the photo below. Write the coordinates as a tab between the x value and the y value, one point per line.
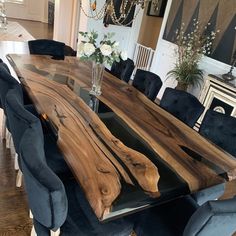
18	119
47	47
68	51
220	129
213	218
123	69
6	82
45	191
182	105
147	83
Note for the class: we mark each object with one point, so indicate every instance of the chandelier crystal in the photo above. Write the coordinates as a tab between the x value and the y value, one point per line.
117	16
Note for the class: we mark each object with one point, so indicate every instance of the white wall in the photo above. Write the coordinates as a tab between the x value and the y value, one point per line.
66	21
164	60
30	10
126	36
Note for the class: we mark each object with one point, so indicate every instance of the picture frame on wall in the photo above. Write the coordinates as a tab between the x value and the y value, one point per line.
158	9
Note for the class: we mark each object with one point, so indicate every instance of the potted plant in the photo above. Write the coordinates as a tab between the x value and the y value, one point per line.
190	49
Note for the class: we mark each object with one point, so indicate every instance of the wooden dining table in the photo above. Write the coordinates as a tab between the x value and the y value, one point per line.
125	151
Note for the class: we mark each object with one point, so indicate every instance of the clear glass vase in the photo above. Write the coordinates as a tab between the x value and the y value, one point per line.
97	76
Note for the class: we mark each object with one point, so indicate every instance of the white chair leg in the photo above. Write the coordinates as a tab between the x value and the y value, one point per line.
16	164
56	233
30	214
8	139
3	127
19	179
33	233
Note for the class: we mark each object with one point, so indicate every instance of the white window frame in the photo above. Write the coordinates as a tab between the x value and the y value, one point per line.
15	1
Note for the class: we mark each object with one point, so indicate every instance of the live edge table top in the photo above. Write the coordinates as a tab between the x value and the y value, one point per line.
130	153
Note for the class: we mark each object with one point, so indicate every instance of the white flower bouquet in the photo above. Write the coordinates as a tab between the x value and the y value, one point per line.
104	52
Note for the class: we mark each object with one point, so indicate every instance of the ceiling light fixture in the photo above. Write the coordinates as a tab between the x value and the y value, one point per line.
117	16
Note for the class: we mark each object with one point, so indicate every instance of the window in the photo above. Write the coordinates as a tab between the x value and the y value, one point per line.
15	1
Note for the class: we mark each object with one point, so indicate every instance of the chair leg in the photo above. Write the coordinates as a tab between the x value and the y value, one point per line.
33	233
16	164
30	214
8	139
3	127
19	179
56	233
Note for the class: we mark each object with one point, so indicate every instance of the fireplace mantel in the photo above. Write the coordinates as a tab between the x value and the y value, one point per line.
219	95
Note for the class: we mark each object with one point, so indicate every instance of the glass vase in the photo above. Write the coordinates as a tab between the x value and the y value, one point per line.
97	76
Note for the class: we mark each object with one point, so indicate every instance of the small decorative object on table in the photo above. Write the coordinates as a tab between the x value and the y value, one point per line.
229	76
190	49
104	52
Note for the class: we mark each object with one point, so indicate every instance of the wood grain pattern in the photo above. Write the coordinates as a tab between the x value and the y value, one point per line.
190	156
78	131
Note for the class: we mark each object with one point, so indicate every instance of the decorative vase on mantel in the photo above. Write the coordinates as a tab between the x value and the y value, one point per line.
97	76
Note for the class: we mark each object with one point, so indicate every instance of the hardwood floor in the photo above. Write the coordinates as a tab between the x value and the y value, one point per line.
37	29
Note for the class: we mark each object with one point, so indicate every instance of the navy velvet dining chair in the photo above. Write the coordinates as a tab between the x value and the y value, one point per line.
56	49
147	83
183	217
45	191
182	105
221	130
123	69
18	120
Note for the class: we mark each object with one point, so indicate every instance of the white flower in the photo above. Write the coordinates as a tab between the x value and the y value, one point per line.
80	49
123	55
89	49
116	45
106	50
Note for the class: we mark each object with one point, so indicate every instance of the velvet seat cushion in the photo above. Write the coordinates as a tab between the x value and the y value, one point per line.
208	194
123	69
147	83
182	105
47	47
82	221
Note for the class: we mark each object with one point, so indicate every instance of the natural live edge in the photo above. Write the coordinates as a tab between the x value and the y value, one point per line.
161	131
56	100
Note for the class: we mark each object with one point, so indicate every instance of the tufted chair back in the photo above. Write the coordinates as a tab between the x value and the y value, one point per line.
6	82
147	83
220	129
182	105
45	191
47	47
17	117
123	69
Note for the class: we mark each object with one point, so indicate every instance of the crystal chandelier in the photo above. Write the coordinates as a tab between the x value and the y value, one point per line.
117	16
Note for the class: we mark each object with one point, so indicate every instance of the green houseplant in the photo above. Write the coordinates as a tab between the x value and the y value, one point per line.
190	49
